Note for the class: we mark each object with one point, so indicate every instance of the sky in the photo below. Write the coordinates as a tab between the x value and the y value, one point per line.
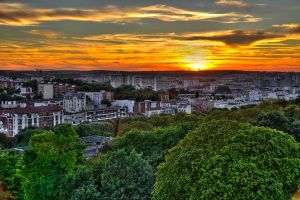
150	35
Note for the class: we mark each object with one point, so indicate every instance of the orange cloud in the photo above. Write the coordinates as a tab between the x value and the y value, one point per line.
13	14
154	52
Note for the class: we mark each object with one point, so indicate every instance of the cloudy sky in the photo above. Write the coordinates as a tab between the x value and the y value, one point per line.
150	35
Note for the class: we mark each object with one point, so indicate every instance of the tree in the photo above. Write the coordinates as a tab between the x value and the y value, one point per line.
80	185
23	137
6	142
11	163
129	92
126	177
33	84
153	145
230	160
95	128
50	156
141	125
295	130
276	120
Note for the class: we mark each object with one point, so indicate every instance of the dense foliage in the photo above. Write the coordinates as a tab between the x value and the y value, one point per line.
202	158
126	177
96	128
9	94
154	144
129	92
50	156
230	160
81	185
11	164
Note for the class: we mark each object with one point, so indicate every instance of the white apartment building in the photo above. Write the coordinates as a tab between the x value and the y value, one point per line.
74	102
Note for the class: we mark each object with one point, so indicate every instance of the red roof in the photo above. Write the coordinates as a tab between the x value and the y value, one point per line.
30	109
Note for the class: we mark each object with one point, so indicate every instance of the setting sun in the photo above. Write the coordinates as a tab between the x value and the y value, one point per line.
198	67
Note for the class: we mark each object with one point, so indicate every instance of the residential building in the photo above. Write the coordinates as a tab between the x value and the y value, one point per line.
96	115
61	89
129	104
46	89
74	102
15	119
96	97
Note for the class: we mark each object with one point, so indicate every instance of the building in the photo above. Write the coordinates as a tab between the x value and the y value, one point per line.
96	97
8	84
95	145
74	102
106	114
149	108
25	90
13	120
47	90
108	96
129	104
61	89
203	104
96	115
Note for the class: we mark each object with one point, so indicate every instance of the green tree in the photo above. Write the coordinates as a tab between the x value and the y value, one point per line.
95	128
295	130
50	156
6	142
154	144
276	120
230	160
80	185
23	137
33	84
11	164
141	125
126	177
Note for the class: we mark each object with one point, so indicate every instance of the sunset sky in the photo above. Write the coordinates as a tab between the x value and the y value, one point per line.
150	35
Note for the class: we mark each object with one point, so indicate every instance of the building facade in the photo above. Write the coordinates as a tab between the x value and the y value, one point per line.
47	90
15	119
74	102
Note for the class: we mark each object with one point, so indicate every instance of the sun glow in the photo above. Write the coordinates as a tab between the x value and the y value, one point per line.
198	61
198	66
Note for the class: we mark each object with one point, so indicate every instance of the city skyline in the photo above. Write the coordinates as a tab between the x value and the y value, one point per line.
254	35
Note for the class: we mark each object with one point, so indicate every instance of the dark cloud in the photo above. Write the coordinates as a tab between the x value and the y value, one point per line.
296	30
237	37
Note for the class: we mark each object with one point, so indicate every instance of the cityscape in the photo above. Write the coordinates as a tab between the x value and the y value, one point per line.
149	100
52	98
